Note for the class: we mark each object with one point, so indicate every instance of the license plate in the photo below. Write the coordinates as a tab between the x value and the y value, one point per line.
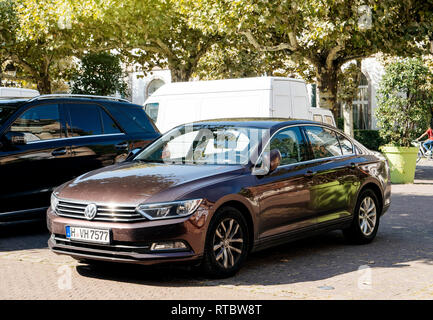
88	234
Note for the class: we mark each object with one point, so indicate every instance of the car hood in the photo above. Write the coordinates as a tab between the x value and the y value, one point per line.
133	183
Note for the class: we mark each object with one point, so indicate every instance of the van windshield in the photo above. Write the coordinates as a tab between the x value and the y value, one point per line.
204	144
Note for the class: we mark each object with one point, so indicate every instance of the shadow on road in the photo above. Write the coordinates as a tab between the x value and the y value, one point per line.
23	235
424	172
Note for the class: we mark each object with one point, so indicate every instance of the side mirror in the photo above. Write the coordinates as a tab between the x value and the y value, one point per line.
270	161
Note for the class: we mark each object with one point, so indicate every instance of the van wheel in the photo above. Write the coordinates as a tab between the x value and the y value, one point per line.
227	243
365	221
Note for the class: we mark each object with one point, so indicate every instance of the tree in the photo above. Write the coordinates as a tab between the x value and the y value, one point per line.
234	57
41	36
325	34
349	79
154	33
405	101
100	74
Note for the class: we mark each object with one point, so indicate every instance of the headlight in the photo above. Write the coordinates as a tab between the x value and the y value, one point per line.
54	202
175	209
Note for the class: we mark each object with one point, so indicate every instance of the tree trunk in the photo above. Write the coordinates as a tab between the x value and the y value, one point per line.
44	84
327	87
348	118
180	75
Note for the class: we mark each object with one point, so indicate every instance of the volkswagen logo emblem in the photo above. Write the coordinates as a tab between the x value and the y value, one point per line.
90	211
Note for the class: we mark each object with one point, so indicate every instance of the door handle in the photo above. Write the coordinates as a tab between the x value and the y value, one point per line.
309	174
122	145
59	152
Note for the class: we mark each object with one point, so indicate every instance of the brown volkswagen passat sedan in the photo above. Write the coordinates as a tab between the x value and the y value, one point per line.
210	192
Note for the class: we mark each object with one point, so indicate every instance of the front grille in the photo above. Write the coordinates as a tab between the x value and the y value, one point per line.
71	209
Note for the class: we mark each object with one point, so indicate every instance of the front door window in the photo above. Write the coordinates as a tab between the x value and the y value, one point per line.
35	124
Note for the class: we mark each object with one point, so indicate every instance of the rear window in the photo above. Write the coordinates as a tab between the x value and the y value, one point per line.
345	144
324	142
131	118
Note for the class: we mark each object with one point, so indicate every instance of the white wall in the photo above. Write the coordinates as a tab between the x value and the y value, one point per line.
374	72
139	85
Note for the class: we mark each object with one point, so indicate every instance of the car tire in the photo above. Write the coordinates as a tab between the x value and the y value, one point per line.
227	243
366	218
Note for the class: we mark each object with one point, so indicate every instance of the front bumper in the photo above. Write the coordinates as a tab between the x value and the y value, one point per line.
131	242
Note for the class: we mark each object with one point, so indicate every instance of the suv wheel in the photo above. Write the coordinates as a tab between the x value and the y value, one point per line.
226	243
366	219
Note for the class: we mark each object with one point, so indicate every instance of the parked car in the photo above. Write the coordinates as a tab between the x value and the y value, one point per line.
179	102
50	139
210	192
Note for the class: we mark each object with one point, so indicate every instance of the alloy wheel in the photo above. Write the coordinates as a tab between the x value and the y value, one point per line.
367	216
228	243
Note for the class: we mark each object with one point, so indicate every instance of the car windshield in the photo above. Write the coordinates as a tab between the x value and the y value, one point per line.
204	144
6	110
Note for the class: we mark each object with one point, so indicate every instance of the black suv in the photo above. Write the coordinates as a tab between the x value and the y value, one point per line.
50	139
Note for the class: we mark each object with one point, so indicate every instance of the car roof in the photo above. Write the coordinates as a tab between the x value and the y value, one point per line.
263	122
67	99
12	102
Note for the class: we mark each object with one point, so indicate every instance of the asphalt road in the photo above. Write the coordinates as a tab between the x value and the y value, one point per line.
397	265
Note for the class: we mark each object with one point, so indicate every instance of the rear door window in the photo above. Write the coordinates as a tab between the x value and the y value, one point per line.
345	144
324	142
109	126
38	123
89	119
85	120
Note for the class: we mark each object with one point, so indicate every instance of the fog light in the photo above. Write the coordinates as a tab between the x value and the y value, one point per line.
168	245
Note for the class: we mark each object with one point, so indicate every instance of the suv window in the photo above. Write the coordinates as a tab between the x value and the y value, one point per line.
133	119
39	123
345	144
323	142
109	127
84	120
291	145
90	119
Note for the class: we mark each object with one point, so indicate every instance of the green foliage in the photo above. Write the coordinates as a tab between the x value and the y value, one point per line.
405	101
100	74
348	82
369	138
325	34
41	36
154	33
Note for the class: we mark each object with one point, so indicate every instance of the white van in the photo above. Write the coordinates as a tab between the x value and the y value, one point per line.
15	93
181	102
